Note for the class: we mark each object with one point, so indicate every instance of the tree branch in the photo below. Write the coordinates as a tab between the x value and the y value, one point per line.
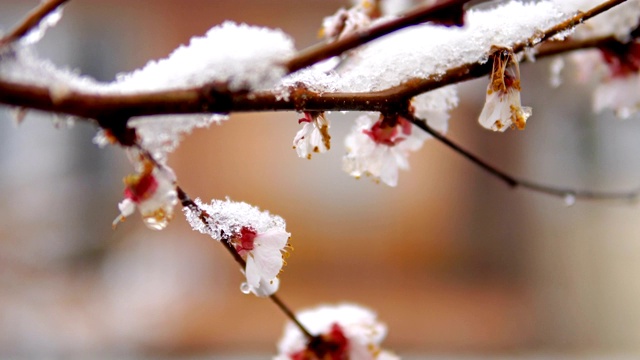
216	98
32	20
186	201
514	182
448	12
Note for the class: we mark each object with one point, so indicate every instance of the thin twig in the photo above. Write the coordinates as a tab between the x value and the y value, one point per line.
514	182
475	70
186	201
442	11
32	20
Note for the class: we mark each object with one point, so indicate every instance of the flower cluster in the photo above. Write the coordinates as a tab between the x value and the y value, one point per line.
380	147
258	237
340	332
152	189
502	108
314	135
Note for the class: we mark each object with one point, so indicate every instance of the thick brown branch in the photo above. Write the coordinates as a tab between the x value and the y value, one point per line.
32	20
442	11
216	99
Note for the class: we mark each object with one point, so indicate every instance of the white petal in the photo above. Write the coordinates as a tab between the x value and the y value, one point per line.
252	272
268	262
266	288
272	239
126	207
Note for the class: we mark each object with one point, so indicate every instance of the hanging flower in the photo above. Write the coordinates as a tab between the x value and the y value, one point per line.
340	332
258	237
502	108
314	135
153	191
379	148
262	253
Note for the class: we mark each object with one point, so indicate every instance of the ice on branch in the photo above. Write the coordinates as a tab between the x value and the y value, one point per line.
502	108
314	136
344	331
242	56
379	147
618	21
152	189
428	51
257	236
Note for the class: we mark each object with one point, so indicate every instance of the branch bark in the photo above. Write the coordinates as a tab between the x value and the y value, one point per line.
216	98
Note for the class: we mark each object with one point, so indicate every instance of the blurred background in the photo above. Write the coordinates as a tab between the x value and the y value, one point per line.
452	260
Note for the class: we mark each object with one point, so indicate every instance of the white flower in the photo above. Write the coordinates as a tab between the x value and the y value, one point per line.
621	94
258	237
340	332
314	135
617	70
379	148
153	191
262	253
502	108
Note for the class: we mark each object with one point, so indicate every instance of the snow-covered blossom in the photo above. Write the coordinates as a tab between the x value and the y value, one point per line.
379	148
434	107
257	236
345	22
152	190
502	108
314	135
619	89
344	331
616	68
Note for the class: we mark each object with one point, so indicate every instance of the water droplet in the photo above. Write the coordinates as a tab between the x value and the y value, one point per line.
245	288
569	199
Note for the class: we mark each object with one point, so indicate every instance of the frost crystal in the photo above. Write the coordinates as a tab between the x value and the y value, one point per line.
227	218
380	147
344	331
